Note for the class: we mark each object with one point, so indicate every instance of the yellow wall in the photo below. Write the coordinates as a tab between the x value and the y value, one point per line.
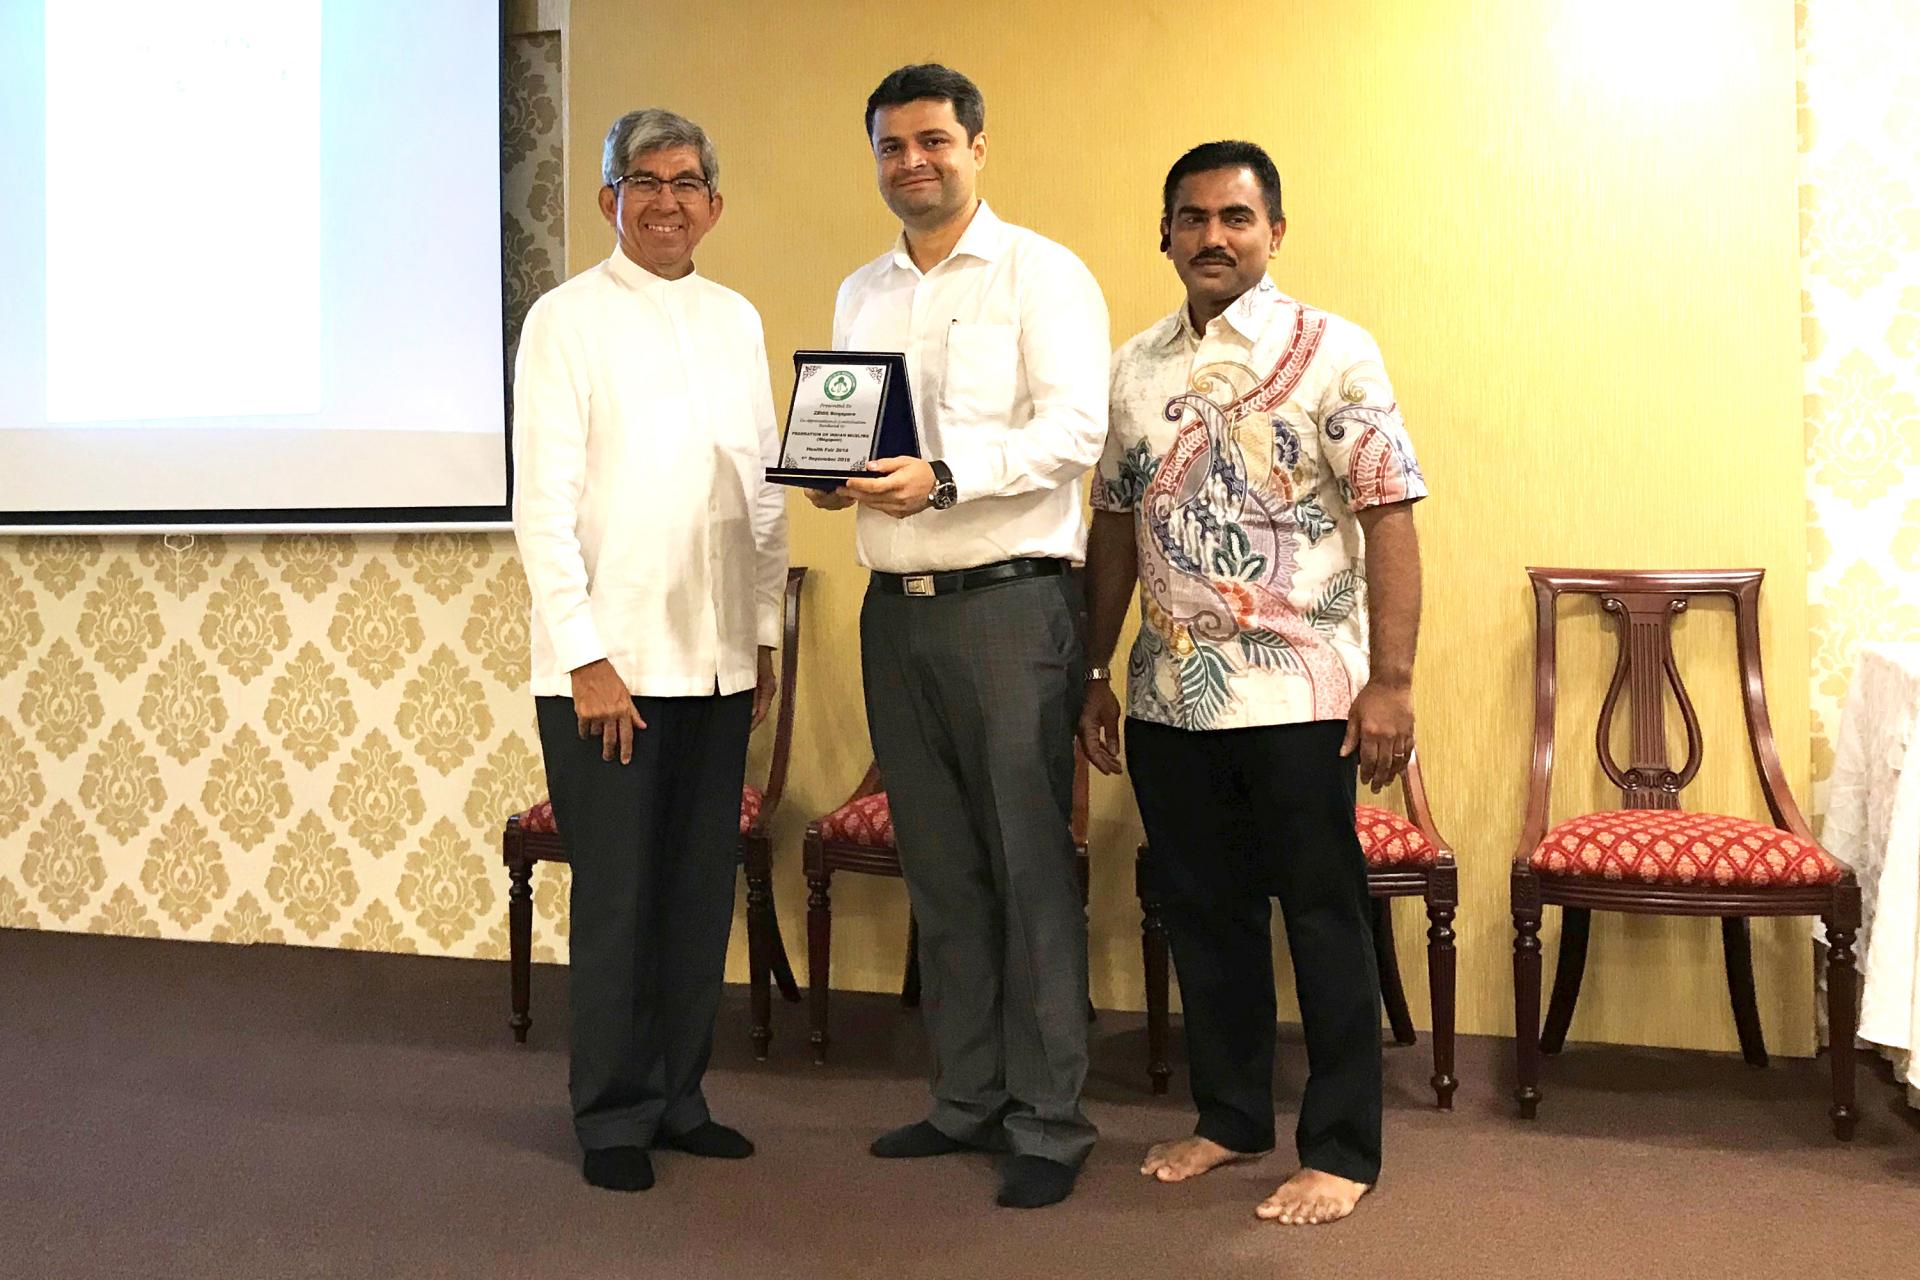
1577	250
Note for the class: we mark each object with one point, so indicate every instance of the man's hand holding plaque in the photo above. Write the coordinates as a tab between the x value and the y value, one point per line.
831	499
898	487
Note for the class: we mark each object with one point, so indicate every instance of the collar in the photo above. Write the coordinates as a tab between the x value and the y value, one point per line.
985	238
634	276
1247	315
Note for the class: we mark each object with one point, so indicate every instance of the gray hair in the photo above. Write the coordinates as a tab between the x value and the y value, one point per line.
638	132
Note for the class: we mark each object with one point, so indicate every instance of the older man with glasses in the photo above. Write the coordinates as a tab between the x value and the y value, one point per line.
655	553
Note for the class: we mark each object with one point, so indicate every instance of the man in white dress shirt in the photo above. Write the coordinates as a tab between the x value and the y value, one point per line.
970	638
655	552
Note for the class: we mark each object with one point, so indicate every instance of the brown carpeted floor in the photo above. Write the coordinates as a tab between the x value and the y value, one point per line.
175	1109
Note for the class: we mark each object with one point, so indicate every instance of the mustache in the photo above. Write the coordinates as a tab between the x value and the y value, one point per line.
1205	256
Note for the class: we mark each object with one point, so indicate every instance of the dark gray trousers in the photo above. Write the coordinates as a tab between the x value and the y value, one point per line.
972	699
653	844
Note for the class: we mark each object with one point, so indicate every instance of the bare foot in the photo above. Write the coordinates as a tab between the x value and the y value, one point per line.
1310	1198
1189	1158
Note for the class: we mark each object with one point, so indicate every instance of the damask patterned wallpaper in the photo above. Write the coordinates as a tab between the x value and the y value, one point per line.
533	162
1859	112
301	739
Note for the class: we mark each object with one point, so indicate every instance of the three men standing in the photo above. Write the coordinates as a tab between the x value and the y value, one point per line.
655	553
1258	484
970	636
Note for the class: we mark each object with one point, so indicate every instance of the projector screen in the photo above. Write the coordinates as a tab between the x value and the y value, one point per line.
250	263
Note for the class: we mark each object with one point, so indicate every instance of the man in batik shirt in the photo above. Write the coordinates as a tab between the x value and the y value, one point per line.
1259	485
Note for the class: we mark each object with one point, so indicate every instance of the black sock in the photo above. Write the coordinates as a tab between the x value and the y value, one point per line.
709	1139
1035	1181
915	1140
618	1168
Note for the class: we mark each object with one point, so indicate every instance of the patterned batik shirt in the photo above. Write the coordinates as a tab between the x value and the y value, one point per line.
1243	454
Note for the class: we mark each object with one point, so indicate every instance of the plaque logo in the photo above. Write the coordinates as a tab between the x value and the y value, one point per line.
839	385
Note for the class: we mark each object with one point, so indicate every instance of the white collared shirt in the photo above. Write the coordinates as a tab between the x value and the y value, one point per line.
642	428
1007	349
1244	453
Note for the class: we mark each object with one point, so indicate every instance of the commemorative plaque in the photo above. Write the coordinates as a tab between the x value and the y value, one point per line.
848	408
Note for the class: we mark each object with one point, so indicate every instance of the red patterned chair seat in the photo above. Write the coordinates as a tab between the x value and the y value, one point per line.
866	821
1389	840
539	819
1670	846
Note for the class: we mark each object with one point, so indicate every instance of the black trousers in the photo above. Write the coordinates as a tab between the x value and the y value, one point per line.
654	844
972	700
1235	817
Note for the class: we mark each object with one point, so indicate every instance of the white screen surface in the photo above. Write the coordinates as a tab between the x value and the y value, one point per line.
250	260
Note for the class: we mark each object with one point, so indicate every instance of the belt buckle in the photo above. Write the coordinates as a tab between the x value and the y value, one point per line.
918	584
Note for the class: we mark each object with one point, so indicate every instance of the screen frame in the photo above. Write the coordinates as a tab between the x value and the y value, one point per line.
244	520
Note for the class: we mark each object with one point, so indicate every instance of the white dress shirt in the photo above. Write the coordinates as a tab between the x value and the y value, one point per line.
1007	348
642	428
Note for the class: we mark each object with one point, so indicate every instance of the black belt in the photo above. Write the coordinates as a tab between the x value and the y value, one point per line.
941	584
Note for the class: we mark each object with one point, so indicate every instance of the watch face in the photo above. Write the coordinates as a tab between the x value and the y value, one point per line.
942	496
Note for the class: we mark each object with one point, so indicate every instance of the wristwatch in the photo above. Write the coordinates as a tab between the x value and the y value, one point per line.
944	493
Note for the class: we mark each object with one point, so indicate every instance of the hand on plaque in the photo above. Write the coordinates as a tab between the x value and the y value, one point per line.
830	499
899	488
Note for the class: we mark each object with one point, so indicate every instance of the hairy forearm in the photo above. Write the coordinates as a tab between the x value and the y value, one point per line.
1393	590
1111	573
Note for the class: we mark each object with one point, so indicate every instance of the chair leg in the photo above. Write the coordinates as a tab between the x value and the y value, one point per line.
1392	994
1442	893
520	945
782	967
819	950
1842	1005
1746	1009
1526	992
1575	923
1083	869
759	948
1153	955
910	980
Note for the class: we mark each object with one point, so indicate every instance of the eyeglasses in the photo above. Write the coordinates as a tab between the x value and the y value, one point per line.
685	189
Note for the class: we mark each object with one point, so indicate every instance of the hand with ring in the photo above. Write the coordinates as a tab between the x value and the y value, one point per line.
1380	728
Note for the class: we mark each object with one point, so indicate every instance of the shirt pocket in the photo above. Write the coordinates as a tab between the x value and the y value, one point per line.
982	375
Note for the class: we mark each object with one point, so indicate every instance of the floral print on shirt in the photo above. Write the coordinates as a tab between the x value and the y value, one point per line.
1243	454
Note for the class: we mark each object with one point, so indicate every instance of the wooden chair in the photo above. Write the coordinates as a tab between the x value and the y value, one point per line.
1405	858
531	837
858	836
1649	856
